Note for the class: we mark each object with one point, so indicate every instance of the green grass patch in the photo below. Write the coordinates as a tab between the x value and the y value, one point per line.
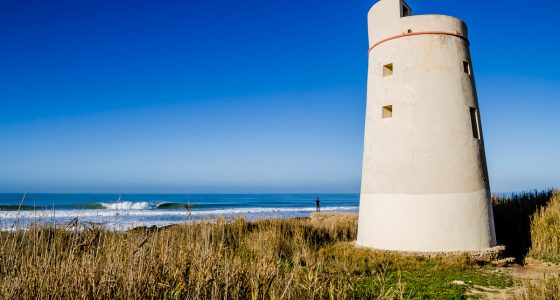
413	277
431	280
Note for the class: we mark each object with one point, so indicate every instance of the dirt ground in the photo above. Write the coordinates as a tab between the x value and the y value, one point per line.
532	270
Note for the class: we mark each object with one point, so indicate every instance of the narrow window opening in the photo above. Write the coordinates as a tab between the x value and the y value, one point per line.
387	70
475	123
387	111
467	67
406	11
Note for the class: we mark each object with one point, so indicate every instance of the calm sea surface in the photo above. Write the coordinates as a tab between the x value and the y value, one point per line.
126	211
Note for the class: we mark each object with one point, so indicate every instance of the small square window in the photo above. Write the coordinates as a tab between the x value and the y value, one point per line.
467	67
387	111
406	11
387	70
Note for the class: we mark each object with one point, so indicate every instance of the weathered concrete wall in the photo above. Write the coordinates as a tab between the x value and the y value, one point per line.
424	182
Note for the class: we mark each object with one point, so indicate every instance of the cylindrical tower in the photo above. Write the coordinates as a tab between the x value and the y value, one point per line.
424	179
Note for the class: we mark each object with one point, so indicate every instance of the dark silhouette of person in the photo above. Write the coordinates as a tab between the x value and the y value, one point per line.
318	204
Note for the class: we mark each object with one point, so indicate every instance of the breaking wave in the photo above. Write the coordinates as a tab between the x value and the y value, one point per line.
111	212
137	214
127	205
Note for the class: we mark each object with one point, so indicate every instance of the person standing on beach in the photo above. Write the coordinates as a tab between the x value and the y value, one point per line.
318	204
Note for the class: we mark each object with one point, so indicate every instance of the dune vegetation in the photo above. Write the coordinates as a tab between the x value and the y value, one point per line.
512	218
545	246
546	288
529	225
545	232
265	259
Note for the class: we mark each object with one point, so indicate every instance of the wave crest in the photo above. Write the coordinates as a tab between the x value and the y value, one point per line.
127	205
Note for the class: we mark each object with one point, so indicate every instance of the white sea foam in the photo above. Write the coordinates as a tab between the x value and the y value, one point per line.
127	205
121	216
136	210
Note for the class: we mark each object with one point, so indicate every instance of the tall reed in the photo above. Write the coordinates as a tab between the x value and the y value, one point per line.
512	218
267	259
545	231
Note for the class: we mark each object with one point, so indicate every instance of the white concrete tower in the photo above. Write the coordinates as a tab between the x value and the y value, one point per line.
424	182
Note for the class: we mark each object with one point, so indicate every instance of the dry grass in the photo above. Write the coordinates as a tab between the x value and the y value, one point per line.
545	245
512	218
545	231
276	259
266	259
546	288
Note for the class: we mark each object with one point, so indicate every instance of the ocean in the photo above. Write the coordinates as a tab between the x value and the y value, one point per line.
122	212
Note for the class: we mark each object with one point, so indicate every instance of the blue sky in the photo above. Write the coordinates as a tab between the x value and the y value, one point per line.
244	96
